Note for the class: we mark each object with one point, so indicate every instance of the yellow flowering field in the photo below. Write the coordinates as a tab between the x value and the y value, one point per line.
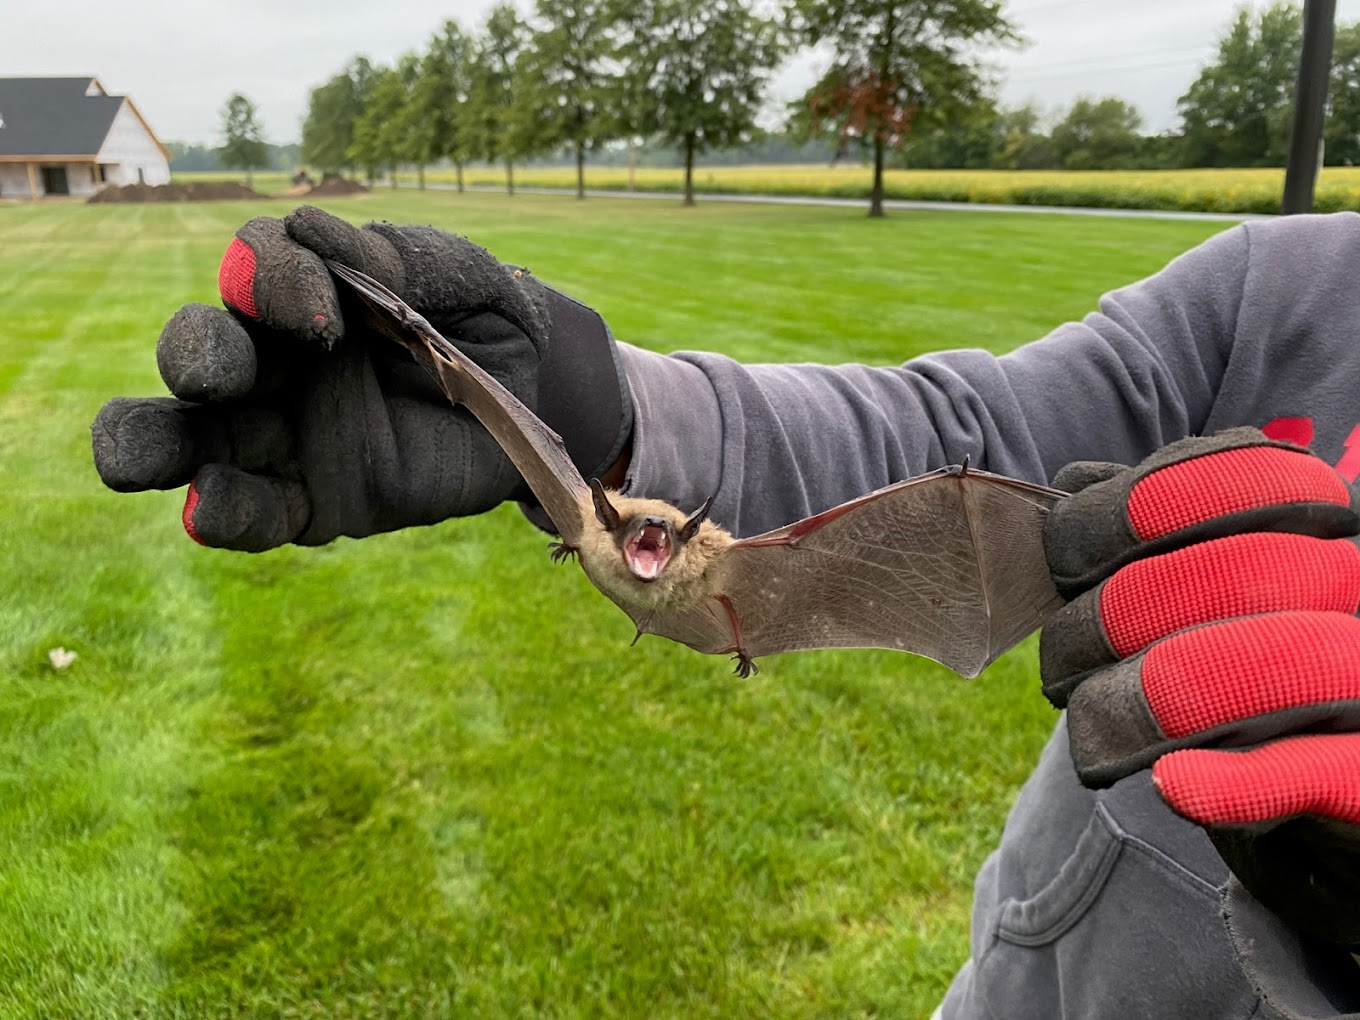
1237	190
1255	190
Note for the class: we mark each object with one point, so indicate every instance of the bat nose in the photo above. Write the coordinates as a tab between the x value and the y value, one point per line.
653	522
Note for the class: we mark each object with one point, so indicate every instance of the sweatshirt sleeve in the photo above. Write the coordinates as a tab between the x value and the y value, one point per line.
774	443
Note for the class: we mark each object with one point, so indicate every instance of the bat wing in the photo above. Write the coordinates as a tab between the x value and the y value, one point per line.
949	565
536	450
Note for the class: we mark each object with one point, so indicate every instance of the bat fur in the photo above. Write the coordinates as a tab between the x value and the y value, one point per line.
686	576
949	565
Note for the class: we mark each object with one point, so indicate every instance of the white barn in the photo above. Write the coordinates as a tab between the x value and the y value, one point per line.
68	136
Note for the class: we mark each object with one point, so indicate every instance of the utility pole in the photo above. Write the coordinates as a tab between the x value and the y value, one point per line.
1310	103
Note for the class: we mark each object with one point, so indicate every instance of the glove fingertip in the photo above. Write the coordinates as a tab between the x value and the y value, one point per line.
141	444
1082	474
270	277
205	354
329	237
226	508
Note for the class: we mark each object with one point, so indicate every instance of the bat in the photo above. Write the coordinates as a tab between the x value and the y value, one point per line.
949	565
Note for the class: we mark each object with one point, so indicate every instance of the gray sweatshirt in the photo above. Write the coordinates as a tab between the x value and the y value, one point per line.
1096	904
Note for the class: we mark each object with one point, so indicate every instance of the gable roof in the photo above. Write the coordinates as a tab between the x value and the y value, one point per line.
57	116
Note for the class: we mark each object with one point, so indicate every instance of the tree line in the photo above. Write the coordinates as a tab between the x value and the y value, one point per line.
576	77
1236	113
652	80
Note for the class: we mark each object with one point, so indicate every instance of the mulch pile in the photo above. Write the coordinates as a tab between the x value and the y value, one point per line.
198	191
334	184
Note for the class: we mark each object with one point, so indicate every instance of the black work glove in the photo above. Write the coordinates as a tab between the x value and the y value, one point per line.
295	423
1212	636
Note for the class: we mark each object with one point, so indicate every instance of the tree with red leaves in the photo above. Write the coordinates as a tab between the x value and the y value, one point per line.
898	64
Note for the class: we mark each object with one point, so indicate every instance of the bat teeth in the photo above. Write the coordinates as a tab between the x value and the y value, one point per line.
647	553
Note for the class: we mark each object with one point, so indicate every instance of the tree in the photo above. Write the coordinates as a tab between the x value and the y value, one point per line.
564	76
370	144
971	142
500	128
332	110
1341	135
440	99
244	147
708	61
898	64
1098	134
631	101
1024	145
387	133
1238	110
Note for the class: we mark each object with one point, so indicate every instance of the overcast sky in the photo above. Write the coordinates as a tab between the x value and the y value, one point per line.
180	59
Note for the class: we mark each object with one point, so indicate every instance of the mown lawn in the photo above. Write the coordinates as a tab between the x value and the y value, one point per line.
424	774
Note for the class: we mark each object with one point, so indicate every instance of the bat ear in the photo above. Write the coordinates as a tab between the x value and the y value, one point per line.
697	518
604	510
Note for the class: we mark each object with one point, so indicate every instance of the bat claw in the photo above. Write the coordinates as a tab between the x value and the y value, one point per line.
746	666
561	551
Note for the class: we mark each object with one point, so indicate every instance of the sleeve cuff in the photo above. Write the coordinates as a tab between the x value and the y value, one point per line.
677	430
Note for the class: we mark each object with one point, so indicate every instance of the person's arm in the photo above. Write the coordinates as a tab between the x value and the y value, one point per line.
779	442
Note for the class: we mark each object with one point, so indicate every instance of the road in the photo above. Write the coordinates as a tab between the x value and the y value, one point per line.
892	203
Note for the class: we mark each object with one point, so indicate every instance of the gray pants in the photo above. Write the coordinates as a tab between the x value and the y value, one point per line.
1098	904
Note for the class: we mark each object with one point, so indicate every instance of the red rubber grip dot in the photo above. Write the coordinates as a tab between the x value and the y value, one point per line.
236	277
190	502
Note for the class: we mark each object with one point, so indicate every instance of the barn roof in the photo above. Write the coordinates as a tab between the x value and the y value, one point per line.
56	116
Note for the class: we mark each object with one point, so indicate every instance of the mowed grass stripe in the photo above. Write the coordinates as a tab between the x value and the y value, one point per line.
94	755
423	774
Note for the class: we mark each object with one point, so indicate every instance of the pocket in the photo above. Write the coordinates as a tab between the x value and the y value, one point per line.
1047	915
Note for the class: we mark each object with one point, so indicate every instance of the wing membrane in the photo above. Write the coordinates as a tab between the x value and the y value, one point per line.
949	565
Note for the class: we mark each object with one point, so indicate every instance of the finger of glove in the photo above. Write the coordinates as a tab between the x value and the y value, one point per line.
1082	474
1152	598
1191	491
330	237
1314	774
204	354
449	277
267	276
227	508
1285	817
160	442
1228	684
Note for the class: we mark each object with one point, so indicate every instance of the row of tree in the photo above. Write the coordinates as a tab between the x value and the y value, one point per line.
657	79
1237	112
579	75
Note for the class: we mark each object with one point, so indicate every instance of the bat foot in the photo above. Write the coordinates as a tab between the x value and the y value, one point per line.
561	551
746	666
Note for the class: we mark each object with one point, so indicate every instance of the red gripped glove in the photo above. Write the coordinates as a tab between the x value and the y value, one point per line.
1212	635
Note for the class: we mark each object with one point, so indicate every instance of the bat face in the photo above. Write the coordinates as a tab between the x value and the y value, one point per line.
647	551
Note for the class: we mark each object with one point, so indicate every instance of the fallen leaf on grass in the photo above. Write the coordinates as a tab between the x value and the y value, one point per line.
60	658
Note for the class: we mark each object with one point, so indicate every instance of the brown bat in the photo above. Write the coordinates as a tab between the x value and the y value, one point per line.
949	565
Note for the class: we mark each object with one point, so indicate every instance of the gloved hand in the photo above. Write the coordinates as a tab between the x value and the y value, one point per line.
296	424
1212	635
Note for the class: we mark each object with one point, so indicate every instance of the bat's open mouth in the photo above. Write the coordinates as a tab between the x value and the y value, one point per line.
647	552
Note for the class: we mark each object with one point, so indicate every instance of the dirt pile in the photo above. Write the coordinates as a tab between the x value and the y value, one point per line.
196	191
334	184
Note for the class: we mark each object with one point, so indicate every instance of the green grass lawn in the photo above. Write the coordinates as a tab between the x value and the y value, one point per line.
424	774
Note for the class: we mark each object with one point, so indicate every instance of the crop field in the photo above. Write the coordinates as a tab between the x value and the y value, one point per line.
1255	190
423	774
1231	191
